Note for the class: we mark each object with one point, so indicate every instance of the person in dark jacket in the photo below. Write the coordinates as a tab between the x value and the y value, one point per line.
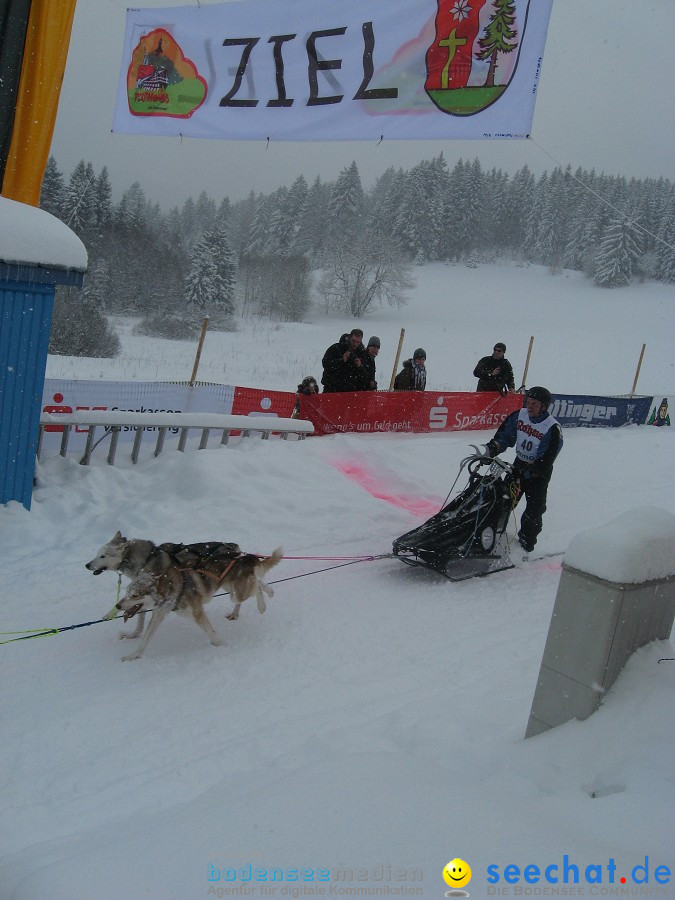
538	439
342	364
413	375
495	373
368	369
308	385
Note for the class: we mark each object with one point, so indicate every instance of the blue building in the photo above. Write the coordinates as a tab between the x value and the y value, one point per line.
37	252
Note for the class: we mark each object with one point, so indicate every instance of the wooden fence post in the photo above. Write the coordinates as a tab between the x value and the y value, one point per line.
527	364
637	371
398	356
193	377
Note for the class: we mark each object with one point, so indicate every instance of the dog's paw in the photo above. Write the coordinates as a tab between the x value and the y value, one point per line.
234	615
130	657
216	641
127	635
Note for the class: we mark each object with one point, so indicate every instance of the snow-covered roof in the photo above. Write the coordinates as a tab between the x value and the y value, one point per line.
31	236
637	546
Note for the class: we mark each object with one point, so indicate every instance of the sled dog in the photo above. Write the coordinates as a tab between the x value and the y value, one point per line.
182	578
132	556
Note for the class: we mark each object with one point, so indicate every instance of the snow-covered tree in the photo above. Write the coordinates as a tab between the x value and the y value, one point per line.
359	276
215	243
79	202
103	204
203	285
53	189
346	209
618	253
79	328
664	246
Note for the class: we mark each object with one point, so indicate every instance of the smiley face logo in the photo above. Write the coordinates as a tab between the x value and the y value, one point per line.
457	873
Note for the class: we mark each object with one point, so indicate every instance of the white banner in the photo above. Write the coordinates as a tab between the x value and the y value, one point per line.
354	70
63	396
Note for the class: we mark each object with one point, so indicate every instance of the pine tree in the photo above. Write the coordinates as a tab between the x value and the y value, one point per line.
551	236
346	209
216	244
665	254
241	219
312	231
203	285
132	208
258	234
518	201
618	253
533	218
79	199
52	192
499	36
103	205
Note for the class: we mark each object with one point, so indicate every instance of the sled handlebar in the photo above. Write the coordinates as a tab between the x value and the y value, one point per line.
480	458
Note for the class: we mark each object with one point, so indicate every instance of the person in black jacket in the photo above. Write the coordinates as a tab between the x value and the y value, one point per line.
369	382
495	373
307	386
413	375
538	440
342	364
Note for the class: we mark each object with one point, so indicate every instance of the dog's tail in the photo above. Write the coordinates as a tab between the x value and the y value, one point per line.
268	562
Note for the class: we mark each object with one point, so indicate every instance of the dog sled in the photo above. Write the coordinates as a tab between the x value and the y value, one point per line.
467	537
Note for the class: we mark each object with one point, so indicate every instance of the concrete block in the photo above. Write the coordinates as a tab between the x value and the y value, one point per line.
598	623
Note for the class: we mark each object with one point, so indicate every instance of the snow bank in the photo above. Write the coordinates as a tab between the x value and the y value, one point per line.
637	546
34	237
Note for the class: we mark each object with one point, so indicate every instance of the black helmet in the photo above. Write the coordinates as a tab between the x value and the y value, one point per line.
541	394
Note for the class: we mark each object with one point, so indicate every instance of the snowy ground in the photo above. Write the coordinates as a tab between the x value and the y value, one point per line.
372	720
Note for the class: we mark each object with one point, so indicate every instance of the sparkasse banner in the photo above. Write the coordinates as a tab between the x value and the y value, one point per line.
357	70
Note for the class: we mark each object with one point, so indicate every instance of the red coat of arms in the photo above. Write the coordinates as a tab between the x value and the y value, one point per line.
474	54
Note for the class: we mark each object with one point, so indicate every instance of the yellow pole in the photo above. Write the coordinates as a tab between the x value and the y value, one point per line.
637	372
44	62
398	356
205	325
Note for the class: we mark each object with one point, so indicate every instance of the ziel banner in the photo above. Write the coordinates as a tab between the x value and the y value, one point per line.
357	70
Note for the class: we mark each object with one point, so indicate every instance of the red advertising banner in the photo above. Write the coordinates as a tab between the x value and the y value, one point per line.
254	402
378	412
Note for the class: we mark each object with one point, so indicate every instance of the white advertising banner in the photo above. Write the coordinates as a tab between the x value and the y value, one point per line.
63	397
354	70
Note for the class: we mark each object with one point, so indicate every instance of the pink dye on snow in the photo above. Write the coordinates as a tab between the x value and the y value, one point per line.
369	481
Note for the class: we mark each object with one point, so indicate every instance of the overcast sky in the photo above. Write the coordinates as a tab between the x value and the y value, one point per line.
604	102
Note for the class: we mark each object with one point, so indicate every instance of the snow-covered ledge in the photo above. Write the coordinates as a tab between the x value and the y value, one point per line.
31	237
616	594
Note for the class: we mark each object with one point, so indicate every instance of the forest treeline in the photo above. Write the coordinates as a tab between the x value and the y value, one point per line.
260	255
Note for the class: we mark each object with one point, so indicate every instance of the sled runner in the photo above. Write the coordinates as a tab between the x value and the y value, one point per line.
468	536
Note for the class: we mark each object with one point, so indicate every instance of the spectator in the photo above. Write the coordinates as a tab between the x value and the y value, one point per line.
413	375
495	373
342	364
369	379
538	439
308	385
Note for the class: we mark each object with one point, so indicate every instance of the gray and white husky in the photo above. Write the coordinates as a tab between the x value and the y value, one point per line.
181	578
